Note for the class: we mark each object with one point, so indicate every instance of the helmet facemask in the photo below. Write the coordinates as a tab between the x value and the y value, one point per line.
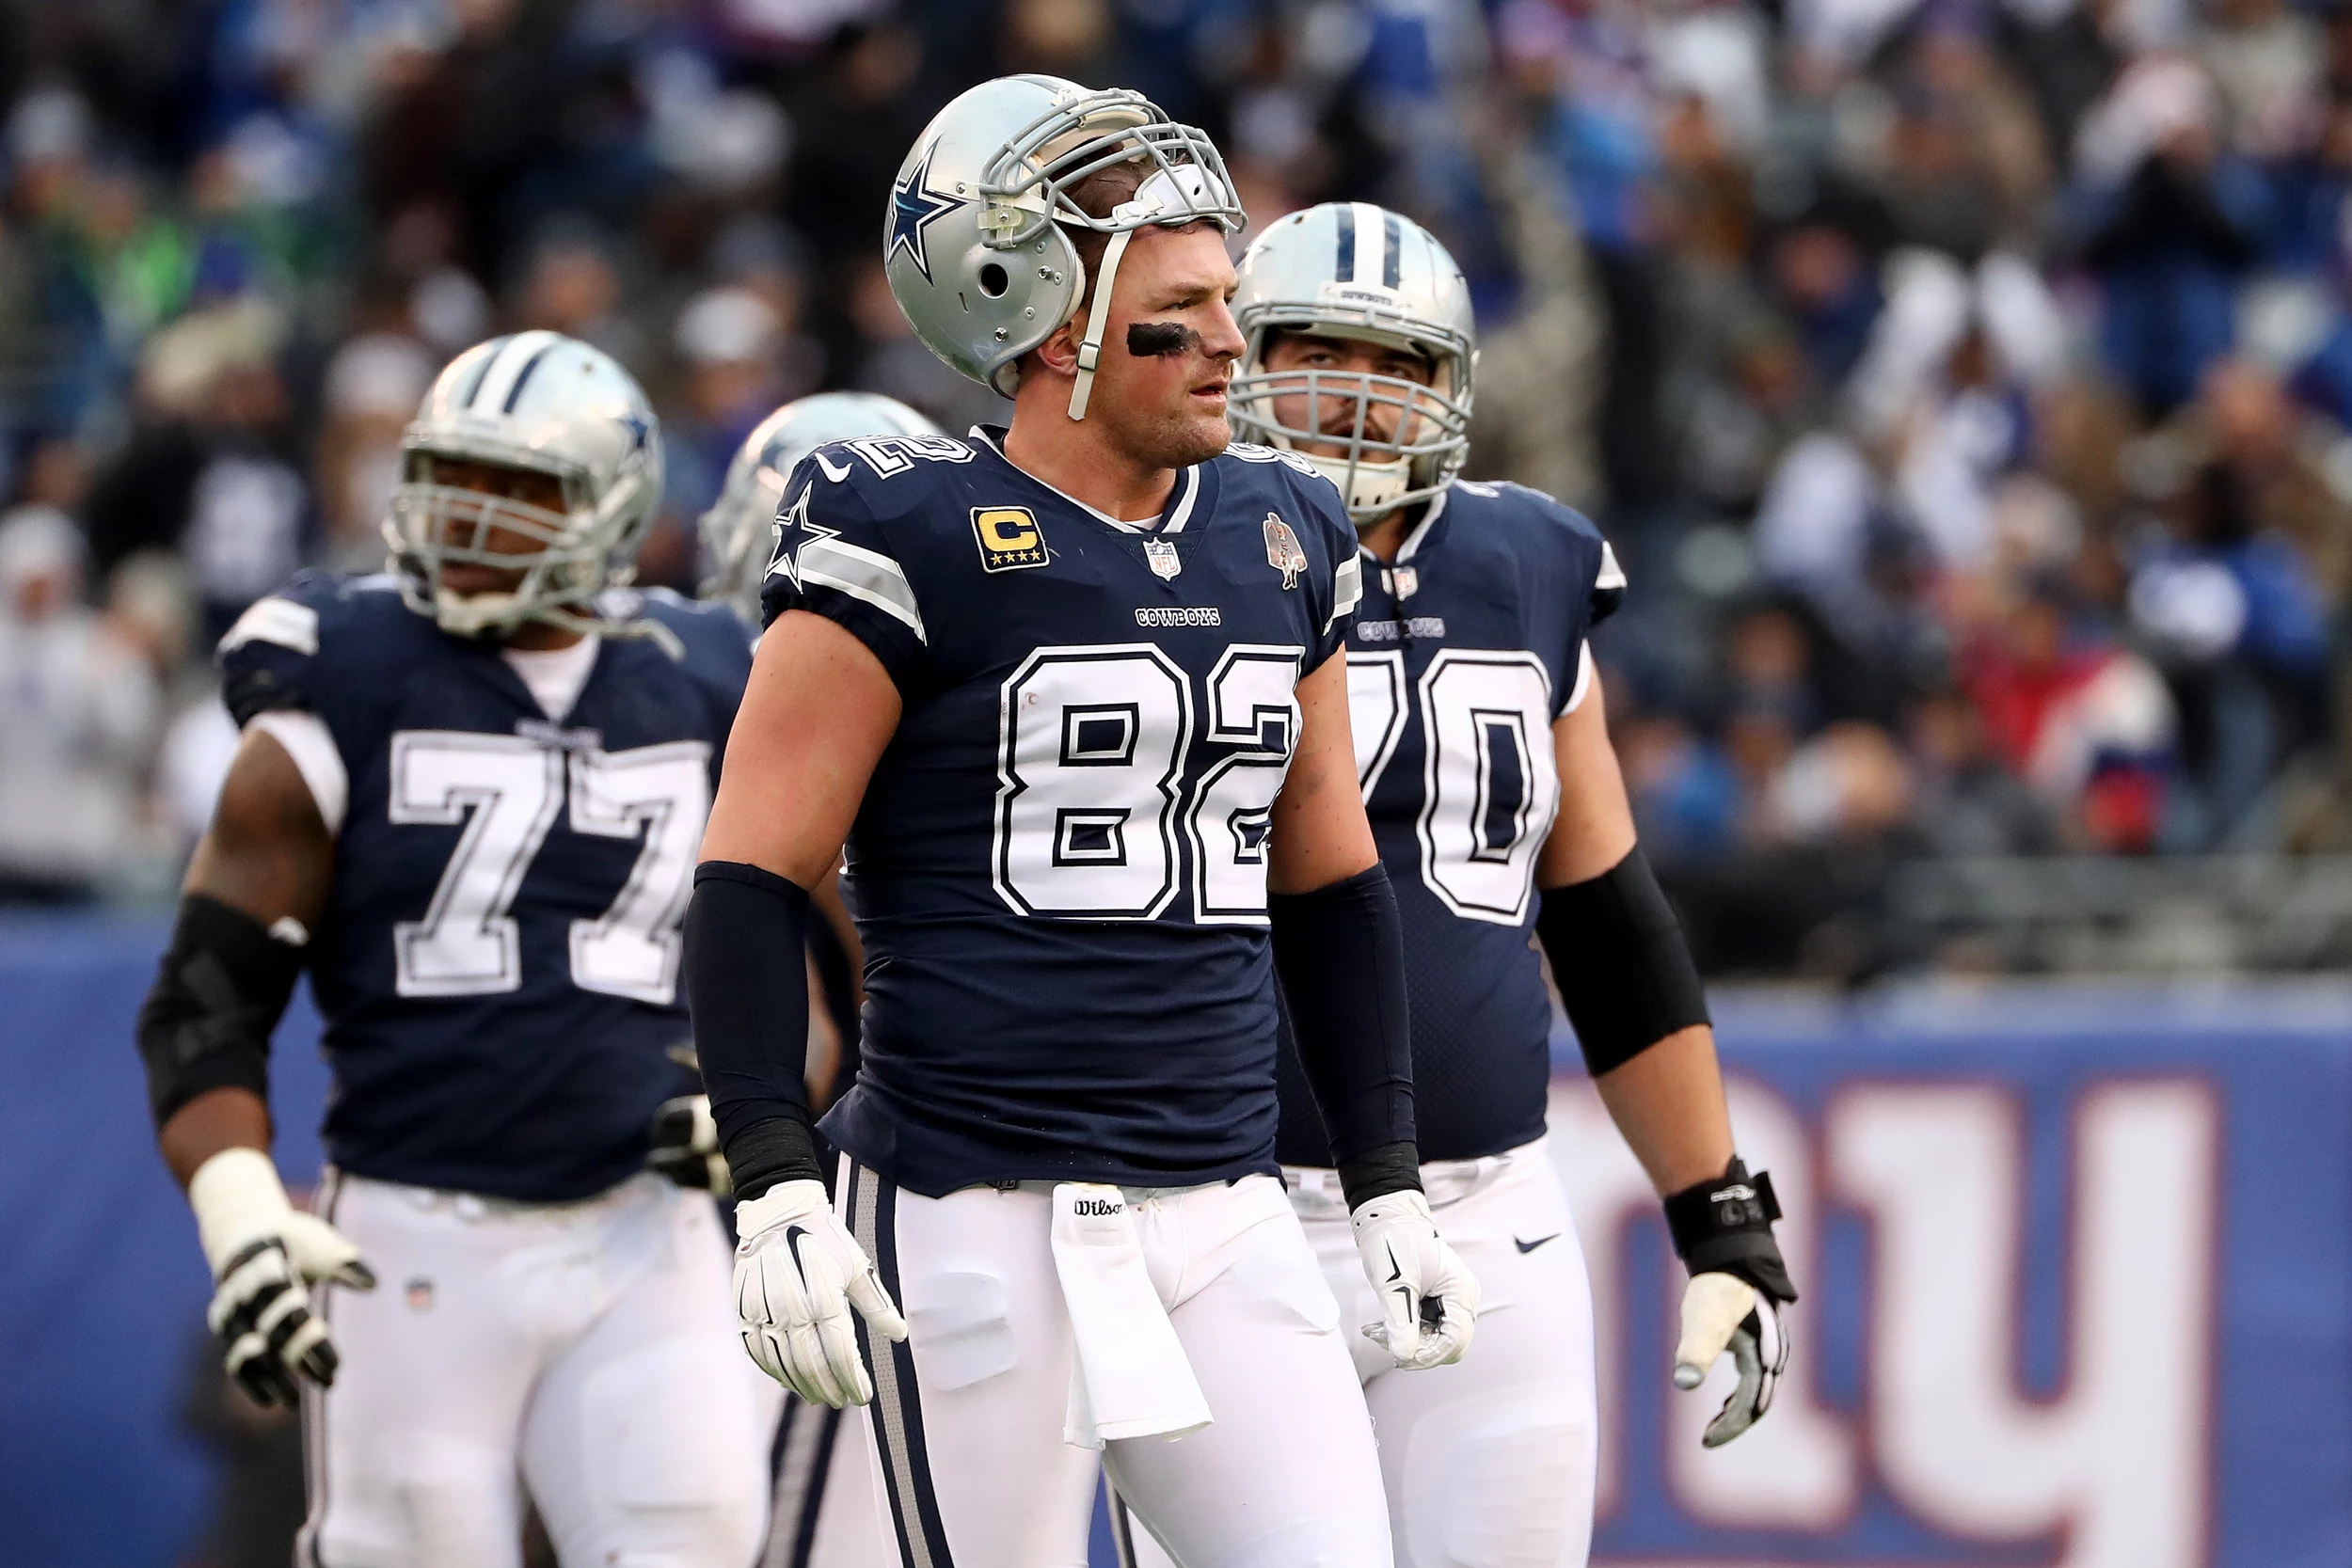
1333	419
565	560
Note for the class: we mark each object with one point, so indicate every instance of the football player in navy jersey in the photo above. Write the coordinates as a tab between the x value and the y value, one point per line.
1073	694
466	801
823	1507
1485	761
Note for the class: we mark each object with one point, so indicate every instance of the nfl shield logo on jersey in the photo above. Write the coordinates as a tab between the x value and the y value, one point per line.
1161	557
1282	550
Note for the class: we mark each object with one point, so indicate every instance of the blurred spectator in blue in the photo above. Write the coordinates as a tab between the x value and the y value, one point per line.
2309	189
1685	795
741	364
1599	126
1827	282
2171	221
78	710
2232	607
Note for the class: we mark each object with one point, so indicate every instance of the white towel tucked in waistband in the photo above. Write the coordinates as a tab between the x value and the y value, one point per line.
1130	1378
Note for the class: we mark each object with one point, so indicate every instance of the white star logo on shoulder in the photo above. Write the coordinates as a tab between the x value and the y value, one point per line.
795	532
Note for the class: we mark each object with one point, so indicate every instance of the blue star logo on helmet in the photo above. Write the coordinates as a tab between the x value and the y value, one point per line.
639	428
795	532
913	204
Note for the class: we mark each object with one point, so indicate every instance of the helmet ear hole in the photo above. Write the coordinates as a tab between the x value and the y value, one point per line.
993	281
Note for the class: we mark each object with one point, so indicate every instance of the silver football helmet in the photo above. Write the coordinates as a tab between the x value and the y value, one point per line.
739	528
975	241
1349	269
552	404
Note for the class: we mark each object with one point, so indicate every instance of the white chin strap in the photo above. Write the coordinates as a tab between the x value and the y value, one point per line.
1098	319
1368	486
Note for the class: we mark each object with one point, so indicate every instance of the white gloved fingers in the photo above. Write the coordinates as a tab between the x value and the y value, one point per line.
319	1251
1713	1307
865	1293
811	1345
765	1346
1399	1309
804	1349
803	1275
839	1338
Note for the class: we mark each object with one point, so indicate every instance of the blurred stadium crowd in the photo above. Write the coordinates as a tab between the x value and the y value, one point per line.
1965	383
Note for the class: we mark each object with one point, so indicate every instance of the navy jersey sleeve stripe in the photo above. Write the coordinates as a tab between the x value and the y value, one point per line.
834	559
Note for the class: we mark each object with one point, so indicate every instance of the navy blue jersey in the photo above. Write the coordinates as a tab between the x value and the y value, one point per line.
1060	865
498	961
1462	655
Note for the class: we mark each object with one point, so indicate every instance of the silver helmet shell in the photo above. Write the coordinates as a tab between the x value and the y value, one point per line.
739	528
975	240
553	405
1350	269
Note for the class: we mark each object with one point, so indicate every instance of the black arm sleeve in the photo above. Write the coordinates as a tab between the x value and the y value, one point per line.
1340	952
747	987
1624	969
218	995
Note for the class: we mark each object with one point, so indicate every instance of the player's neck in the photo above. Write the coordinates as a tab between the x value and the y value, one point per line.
1078	458
1386	536
538	637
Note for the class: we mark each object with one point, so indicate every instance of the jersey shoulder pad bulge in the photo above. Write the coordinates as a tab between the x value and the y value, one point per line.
321	639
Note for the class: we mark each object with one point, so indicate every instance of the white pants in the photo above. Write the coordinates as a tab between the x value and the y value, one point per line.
587	1351
825	1514
970	1463
1488	1463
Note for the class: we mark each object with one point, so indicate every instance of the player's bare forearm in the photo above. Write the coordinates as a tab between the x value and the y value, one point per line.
1668	1100
267	853
1594	828
1319	833
217	1119
815	718
1668	1104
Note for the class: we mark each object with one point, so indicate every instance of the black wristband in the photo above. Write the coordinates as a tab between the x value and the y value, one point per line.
1340	952
747	987
1726	1226
767	1152
1377	1172
1624	970
220	991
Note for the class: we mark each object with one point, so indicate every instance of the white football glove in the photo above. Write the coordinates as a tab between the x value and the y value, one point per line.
1428	1299
797	1274
265	1254
1720	1312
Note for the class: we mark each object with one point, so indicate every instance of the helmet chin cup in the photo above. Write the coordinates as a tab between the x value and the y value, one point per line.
1371	488
473	614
